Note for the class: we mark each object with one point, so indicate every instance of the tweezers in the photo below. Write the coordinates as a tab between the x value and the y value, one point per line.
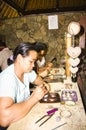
49	114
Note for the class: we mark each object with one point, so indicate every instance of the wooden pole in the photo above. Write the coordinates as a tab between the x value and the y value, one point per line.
68	44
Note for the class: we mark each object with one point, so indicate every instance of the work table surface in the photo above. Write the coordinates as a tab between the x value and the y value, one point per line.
73	115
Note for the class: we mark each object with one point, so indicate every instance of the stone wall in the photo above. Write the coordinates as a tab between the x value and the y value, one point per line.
35	28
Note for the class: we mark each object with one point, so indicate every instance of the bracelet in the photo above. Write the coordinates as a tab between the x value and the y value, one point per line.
65	113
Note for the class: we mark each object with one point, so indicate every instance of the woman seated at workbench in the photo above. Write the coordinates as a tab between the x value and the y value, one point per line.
42	67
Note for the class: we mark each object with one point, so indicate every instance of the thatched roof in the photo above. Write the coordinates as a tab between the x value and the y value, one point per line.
16	8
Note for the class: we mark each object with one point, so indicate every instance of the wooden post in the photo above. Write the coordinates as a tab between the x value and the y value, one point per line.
68	44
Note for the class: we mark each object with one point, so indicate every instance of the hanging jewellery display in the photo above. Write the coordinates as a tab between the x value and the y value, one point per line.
73	51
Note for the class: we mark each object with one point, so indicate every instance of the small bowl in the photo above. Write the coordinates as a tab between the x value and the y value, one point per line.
53	95
46	96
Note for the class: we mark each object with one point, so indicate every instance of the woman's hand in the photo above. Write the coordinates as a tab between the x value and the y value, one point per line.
49	64
40	91
44	73
47	86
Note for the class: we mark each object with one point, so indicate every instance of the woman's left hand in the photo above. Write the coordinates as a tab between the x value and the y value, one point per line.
47	86
44	73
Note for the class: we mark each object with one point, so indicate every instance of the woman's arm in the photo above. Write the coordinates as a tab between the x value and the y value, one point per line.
11	112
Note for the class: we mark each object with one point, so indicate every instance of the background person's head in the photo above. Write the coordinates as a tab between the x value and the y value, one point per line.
41	48
2	45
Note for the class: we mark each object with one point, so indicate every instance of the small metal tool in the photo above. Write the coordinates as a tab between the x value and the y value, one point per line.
59	126
50	113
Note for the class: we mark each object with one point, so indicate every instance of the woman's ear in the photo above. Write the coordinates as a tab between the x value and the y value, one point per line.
19	58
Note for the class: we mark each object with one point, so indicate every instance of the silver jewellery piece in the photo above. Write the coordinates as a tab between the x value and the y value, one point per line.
65	113
58	118
59	126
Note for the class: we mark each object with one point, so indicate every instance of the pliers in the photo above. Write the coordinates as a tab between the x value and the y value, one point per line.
50	113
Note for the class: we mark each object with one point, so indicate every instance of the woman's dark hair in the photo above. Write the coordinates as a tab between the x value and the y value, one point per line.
41	46
23	49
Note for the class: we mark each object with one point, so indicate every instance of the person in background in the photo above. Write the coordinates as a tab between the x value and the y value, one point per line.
15	98
42	67
10	60
5	53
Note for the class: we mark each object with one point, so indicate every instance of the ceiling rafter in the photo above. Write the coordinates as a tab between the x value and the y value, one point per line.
54	10
57	1
26	2
13	5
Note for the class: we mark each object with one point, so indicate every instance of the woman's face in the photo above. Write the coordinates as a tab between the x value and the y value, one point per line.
28	61
41	54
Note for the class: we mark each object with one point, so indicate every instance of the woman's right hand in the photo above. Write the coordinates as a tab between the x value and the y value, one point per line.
39	92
